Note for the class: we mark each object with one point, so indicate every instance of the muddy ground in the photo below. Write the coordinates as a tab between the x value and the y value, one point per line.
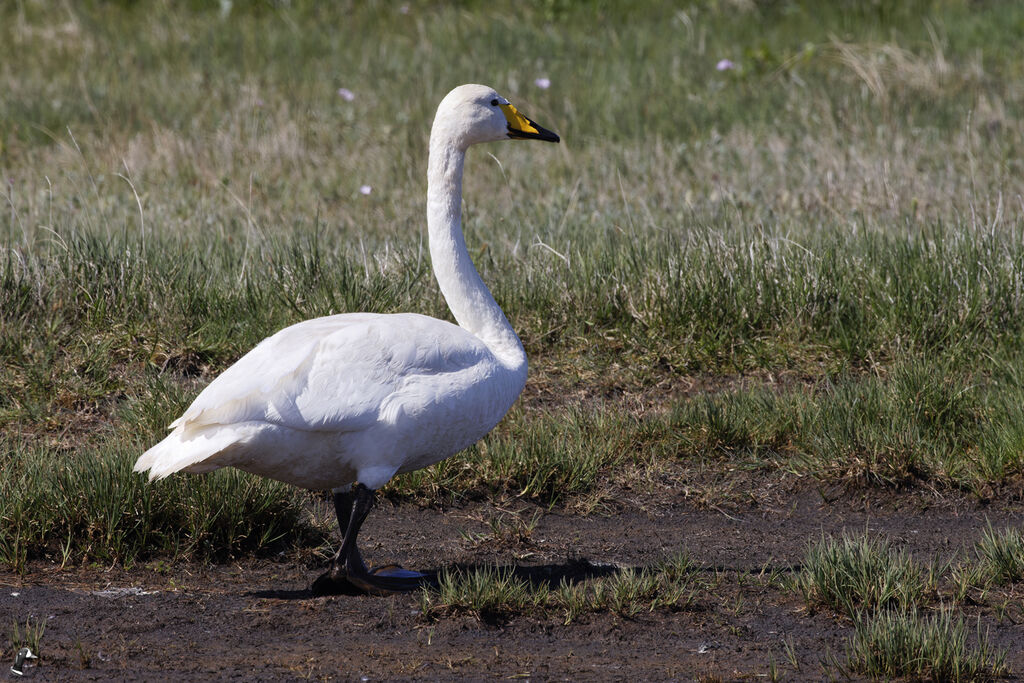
257	620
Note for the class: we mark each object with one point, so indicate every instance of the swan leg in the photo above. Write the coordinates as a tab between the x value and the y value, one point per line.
348	573
335	581
343	502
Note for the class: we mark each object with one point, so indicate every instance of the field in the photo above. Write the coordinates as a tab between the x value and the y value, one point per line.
771	285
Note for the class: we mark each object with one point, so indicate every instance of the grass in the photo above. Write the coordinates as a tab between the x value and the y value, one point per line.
856	573
897	632
29	634
91	508
495	594
1001	555
905	644
491	593
503	529
922	423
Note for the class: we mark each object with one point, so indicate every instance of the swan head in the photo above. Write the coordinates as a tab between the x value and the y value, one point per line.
471	114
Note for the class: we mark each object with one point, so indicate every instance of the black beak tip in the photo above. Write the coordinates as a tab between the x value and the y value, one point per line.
542	134
545	134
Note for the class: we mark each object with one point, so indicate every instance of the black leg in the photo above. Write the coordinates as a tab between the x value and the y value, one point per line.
343	501
334	581
348	560
348	573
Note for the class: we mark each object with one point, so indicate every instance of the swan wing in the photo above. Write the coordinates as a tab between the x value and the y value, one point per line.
332	374
343	373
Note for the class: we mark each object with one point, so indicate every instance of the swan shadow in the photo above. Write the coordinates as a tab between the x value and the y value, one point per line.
551	576
570	572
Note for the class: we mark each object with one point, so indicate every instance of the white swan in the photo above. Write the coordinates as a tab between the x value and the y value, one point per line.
348	401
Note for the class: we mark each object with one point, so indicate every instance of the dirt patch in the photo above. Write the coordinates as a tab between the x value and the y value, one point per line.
257	620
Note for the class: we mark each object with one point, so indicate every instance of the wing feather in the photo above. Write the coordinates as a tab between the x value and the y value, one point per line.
332	373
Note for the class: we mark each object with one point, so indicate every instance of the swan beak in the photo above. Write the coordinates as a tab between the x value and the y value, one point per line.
522	128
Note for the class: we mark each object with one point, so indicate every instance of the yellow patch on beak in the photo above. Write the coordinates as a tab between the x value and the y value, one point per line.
517	121
520	127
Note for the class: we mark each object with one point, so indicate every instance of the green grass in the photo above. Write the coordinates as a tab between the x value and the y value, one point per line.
940	647
559	458
91	507
1001	555
900	627
857	573
494	594
491	593
921	424
29	634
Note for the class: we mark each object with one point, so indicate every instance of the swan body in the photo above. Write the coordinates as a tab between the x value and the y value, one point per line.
356	398
348	397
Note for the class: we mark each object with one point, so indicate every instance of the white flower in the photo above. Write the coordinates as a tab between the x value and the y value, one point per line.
543	83
346	94
725	65
365	189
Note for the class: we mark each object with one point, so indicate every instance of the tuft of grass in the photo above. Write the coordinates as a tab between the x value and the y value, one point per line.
631	591
903	644
1001	554
855	573
491	593
670	585
29	635
907	427
969	581
494	594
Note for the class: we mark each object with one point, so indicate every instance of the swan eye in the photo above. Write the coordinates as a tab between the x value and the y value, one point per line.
494	102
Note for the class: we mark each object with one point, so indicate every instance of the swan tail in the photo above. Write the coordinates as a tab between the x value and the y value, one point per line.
192	451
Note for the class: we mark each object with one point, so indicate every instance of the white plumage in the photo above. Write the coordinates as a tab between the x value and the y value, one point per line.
360	397
356	396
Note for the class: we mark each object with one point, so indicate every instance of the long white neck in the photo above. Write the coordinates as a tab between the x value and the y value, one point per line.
466	294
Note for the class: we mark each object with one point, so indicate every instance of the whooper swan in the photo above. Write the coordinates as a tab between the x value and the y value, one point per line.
348	401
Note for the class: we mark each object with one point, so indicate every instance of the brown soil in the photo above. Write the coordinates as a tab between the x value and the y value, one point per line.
256	619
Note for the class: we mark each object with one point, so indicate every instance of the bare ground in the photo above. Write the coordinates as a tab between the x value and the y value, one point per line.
256	619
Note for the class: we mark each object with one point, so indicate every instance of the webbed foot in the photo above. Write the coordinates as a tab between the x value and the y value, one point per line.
348	574
384	580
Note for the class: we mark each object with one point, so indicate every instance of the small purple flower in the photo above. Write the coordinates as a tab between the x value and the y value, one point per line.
404	9
259	102
346	94
725	65
543	83
365	189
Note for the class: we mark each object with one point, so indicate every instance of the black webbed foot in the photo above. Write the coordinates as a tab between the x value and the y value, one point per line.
328	584
385	580
348	574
